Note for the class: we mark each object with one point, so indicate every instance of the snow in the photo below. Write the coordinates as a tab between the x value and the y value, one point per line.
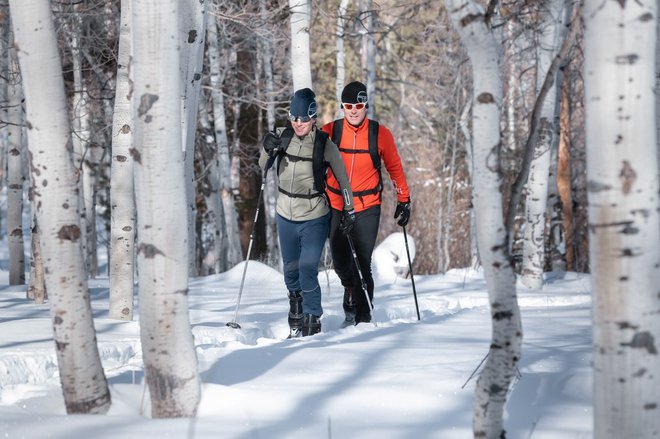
397	379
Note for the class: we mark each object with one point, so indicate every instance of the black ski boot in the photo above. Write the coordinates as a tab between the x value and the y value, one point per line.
349	308
295	314
311	325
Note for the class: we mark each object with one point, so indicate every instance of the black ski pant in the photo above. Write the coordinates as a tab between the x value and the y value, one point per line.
364	234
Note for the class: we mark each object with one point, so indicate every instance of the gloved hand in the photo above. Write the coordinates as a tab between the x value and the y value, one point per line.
347	222
402	212
271	142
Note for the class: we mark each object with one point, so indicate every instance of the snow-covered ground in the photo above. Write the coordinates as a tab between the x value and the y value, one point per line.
397	379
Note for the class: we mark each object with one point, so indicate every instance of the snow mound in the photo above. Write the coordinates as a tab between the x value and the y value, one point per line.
390	259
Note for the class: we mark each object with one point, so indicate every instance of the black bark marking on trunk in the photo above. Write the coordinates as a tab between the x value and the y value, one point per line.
183	292
485	98
626	325
640	373
69	233
501	315
630	230
650	406
643	340
147	101
469	18
137	158
629	58
162	385
646	17
150	251
125	129
594	186
628	176
121	158
125	311
192	36
622	3
88	406
61	346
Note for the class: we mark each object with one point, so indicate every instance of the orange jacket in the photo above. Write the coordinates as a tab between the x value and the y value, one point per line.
359	166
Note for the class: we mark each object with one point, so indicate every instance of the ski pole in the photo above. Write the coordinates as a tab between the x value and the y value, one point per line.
269	163
412	278
362	282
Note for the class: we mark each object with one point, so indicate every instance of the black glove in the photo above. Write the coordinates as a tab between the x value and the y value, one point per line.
271	142
347	222
402	212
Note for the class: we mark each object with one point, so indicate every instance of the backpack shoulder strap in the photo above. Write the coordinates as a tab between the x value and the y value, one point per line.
285	139
319	167
373	143
286	136
337	128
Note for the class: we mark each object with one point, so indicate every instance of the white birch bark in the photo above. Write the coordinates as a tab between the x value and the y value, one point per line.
6	41
37	284
80	140
55	188
122	200
301	68
369	12
227	217
505	349
624	228
534	231
193	24
15	178
167	342
340	55
270	190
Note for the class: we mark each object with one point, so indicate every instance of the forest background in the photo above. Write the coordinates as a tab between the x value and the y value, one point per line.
422	92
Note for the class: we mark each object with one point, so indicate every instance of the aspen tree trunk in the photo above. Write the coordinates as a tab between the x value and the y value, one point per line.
564	177
270	190
37	283
5	59
122	214
301	68
193	25
657	88
505	349
55	189
227	218
15	176
80	139
624	228
340	55
160	183
369	13
536	202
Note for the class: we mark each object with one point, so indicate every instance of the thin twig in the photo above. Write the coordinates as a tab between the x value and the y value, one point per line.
475	370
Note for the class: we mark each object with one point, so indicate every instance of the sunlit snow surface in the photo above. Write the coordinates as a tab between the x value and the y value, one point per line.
397	378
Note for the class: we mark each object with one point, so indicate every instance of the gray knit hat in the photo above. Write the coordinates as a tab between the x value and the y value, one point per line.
303	104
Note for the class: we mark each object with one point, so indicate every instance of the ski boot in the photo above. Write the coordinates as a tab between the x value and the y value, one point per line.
295	314
311	325
349	308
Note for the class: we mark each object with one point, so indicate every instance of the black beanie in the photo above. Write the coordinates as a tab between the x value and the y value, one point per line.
303	103
355	93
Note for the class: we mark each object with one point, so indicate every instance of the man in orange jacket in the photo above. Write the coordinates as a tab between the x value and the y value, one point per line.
363	144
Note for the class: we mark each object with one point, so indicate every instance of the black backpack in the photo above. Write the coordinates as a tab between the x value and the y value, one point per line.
319	165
